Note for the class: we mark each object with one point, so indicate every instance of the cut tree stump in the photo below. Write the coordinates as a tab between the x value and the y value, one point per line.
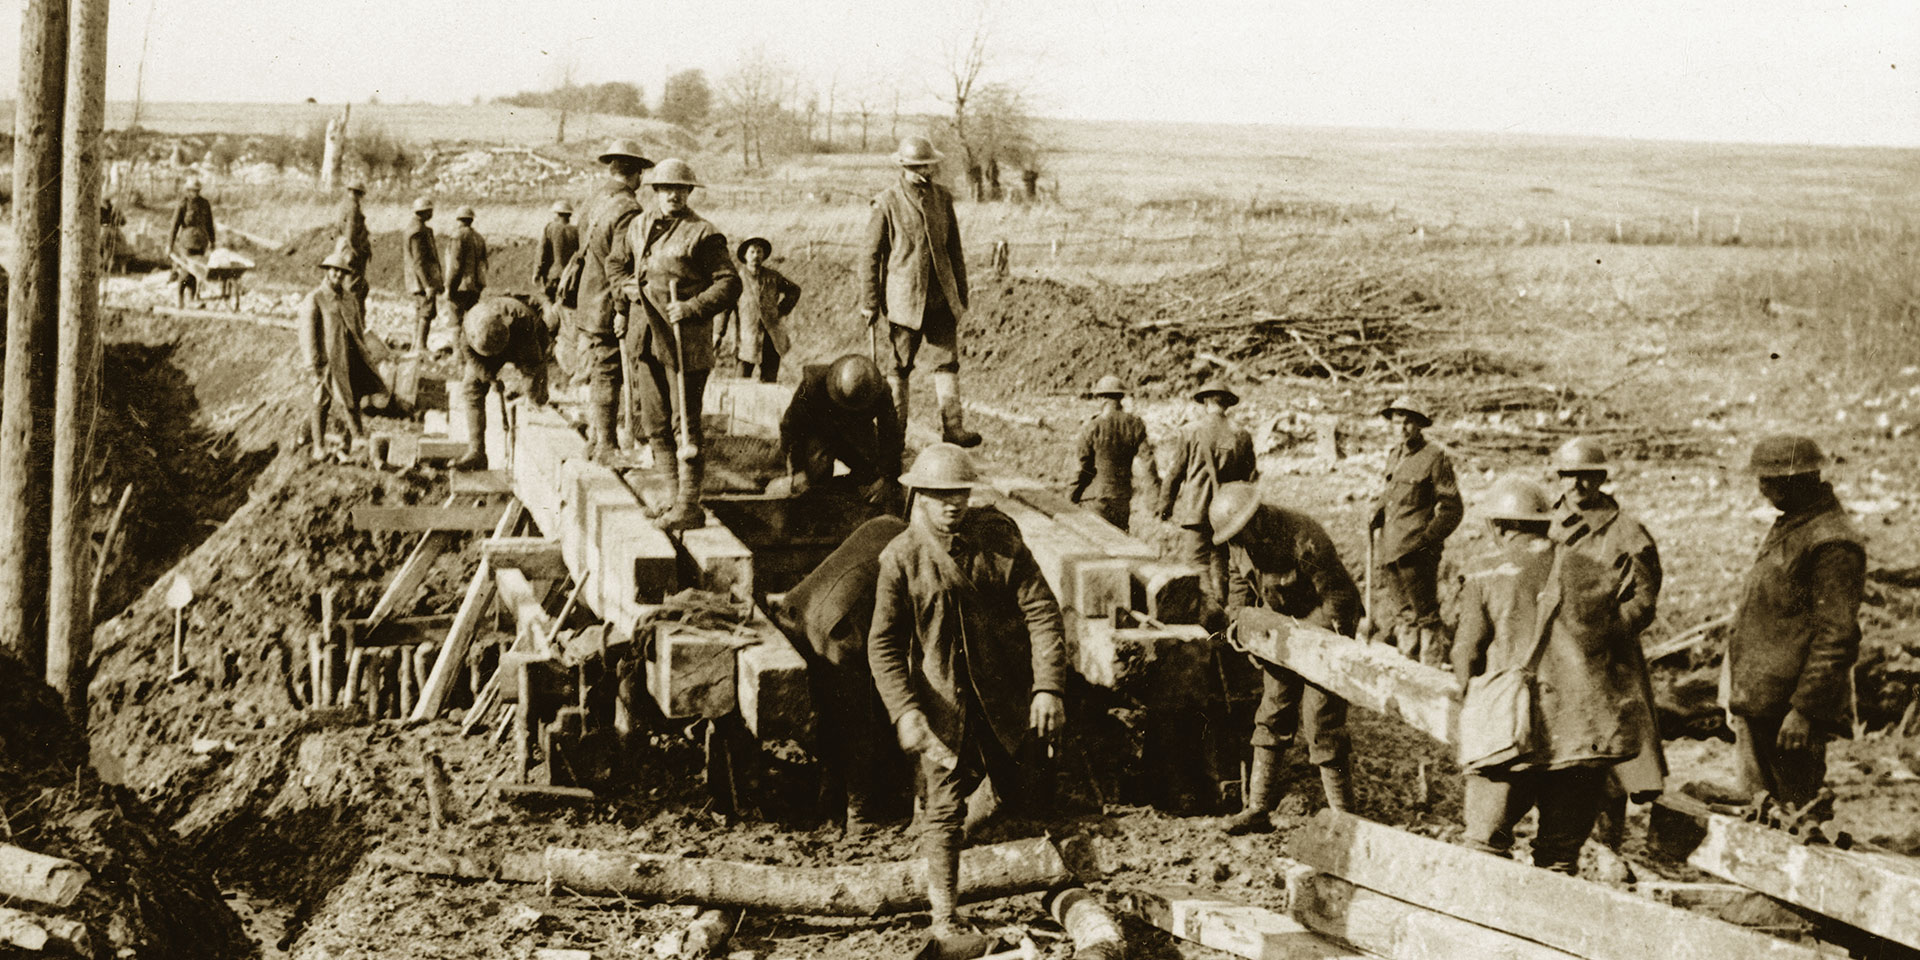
863	890
1585	919
25	875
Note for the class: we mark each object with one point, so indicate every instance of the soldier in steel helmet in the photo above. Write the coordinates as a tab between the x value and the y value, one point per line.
914	278
192	234
1114	442
1548	668
1418	508
1796	634
466	267
678	274
1212	451
754	333
968	652
1587	518
333	342
841	412
1284	561
424	277
600	305
559	241
496	332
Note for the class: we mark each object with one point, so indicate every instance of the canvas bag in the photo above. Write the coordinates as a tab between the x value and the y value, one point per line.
1496	714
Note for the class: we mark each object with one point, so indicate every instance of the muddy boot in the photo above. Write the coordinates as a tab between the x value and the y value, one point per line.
952	428
1434	647
1262	793
687	514
1336	781
420	328
943	880
476	456
897	387
319	429
603	445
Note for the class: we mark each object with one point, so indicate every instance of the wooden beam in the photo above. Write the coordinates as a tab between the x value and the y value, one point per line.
771	689
1238	929
521	601
1876	892
467	519
411	575
1585	919
1108	656
435	449
1083	576
1370	675
537	557
693	671
1723	901
720	562
480	482
1384	926
26	875
398	631
466	621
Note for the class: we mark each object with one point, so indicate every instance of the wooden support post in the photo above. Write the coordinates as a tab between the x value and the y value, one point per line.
76	385
1877	892
26	447
1373	676
350	691
1584	919
466	620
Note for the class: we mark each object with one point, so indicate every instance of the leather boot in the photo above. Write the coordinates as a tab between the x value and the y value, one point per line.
319	430
1262	793
1336	781
953	429
602	443
687	513
942	851
1434	647
420	328
476	455
897	386
664	454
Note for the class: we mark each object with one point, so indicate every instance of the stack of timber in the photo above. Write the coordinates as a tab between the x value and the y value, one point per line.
51	882
1873	891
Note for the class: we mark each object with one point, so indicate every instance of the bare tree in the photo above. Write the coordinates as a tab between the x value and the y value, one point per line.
965	60
753	100
567	92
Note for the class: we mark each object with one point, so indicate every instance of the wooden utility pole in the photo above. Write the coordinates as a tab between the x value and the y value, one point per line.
76	387
26	403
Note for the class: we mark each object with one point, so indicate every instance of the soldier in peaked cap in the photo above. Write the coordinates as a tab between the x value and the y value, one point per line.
1113	442
1212	451
1796	635
1417	509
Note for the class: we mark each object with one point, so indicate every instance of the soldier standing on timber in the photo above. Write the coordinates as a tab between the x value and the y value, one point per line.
496	332
968	652
1551	684
425	281
193	230
1284	561
914	277
350	233
1796	634
600	305
841	412
755	331
676	269
1113	442
466	267
332	341
1212	451
1416	511
559	241
832	609
1589	519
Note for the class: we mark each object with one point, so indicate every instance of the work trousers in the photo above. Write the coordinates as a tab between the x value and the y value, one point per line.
862	751
1568	800
1792	777
1115	510
943	793
654	384
462	301
935	346
1195	545
426	306
1412	607
1290	705
769	365
323	401
600	362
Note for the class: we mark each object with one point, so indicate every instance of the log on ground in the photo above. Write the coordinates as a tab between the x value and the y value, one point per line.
26	875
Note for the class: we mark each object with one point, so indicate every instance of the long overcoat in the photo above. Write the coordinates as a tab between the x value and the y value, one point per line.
333	340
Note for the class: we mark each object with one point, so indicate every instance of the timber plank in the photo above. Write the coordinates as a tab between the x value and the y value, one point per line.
480	482
1243	931
693	672
1370	675
537	557
1083	577
440	448
1876	892
466	620
774	699
721	563
1108	656
1382	925
411	575
468	519
1585	919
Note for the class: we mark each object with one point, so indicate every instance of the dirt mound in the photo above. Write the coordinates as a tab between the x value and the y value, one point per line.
510	261
147	897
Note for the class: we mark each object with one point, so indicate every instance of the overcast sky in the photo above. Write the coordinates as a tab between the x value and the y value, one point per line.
1754	70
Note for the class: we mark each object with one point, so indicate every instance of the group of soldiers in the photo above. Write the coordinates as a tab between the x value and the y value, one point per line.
940	629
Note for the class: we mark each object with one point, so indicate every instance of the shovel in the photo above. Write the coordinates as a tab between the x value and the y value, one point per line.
178	596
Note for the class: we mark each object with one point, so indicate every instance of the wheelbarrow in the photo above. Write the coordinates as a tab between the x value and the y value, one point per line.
220	266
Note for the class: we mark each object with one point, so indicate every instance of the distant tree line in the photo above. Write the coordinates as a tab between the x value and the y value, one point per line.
614	97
